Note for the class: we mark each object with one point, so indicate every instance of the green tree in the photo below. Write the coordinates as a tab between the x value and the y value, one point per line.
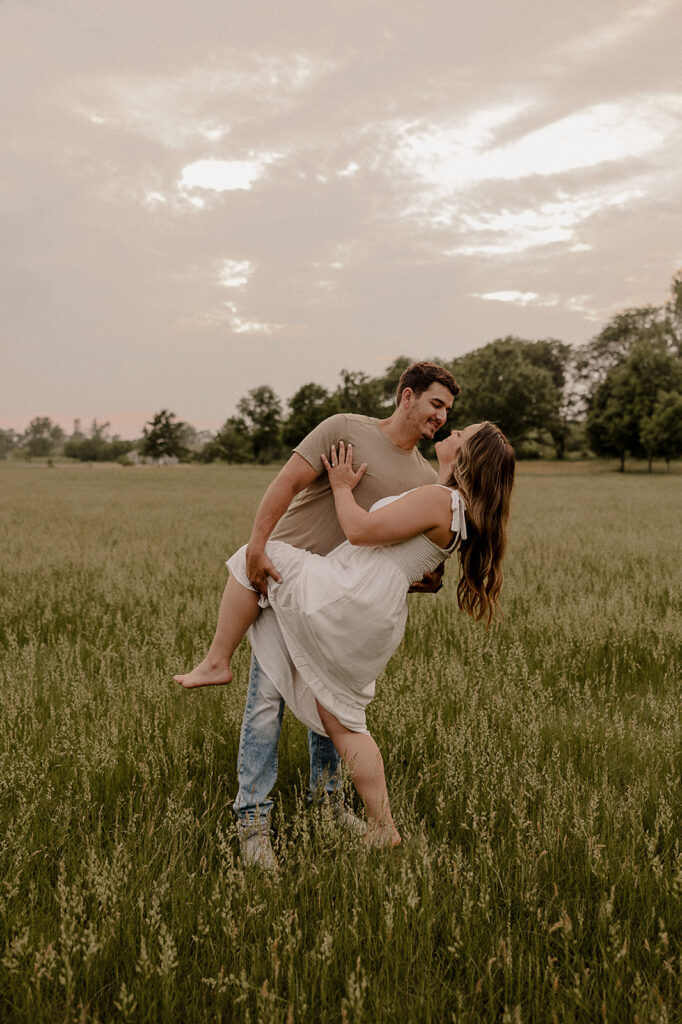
195	440
41	436
622	406
232	443
661	432
655	325
504	383
9	440
359	394
163	435
614	343
559	360
674	312
309	406
97	446
611	424
77	433
388	383
262	412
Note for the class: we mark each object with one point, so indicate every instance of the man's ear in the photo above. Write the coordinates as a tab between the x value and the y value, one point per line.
407	398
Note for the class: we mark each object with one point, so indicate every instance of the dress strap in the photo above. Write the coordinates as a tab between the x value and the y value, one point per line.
459	523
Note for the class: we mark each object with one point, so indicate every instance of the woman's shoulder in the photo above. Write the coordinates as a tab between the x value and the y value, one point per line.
437	498
423	495
436	492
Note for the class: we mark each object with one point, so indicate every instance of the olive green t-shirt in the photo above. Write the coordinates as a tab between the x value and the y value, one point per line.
310	521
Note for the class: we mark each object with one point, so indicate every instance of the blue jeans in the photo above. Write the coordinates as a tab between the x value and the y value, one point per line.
258	743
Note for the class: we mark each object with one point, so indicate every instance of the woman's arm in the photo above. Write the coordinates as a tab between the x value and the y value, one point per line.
417	512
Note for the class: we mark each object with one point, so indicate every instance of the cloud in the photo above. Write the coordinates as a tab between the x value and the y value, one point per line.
242	326
607	36
201	104
236	273
575	303
446	157
529	228
443	161
350	171
224	175
453	177
518	298
348	184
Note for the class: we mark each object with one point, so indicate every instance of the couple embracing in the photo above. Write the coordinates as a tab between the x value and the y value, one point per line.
355	520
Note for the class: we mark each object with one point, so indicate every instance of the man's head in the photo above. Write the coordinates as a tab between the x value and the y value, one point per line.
425	396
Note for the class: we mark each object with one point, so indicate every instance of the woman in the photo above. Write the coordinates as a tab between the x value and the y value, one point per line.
342	617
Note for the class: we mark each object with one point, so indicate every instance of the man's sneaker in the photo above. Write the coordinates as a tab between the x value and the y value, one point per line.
344	817
255	846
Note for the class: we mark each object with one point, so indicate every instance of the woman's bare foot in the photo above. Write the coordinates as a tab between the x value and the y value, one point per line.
207	673
383	837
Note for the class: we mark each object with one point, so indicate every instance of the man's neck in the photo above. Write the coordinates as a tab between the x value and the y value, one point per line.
398	432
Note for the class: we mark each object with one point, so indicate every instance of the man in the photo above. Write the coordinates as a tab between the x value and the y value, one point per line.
298	507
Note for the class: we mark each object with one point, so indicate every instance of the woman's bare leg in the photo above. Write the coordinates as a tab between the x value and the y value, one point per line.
363	757
238	610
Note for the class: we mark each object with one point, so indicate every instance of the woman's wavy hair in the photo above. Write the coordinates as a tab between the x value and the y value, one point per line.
483	473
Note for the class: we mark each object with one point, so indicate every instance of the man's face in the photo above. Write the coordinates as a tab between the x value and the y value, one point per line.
427	412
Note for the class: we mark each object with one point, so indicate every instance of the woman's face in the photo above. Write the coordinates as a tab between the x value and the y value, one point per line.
448	449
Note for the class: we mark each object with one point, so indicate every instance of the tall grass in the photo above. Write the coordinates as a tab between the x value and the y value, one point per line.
534	771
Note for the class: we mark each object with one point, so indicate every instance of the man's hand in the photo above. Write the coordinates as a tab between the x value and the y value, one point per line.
430	583
259	568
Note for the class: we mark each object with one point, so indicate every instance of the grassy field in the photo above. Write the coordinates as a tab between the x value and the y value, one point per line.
535	773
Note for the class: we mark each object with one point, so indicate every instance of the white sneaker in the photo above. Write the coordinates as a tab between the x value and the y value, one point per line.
344	817
255	846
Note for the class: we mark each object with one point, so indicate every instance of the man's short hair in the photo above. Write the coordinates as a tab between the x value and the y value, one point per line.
420	376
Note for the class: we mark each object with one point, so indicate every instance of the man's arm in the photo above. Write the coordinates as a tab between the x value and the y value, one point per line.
292	478
430	583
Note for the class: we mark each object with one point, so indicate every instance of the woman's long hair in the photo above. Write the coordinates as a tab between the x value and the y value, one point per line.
483	472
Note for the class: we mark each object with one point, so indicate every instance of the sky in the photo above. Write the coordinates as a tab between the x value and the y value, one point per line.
197	198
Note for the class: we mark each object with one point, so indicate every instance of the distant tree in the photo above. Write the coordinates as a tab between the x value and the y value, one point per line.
661	432
232	443
359	393
262	412
388	383
559	360
97	446
674	311
9	440
41	436
307	407
506	382
195	440
163	435
611	424
100	430
76	433
614	343
654	325
653	369
623	406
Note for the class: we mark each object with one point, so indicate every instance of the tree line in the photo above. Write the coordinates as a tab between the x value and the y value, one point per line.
619	395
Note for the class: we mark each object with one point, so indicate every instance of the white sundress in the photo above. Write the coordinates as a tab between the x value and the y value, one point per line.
330	627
